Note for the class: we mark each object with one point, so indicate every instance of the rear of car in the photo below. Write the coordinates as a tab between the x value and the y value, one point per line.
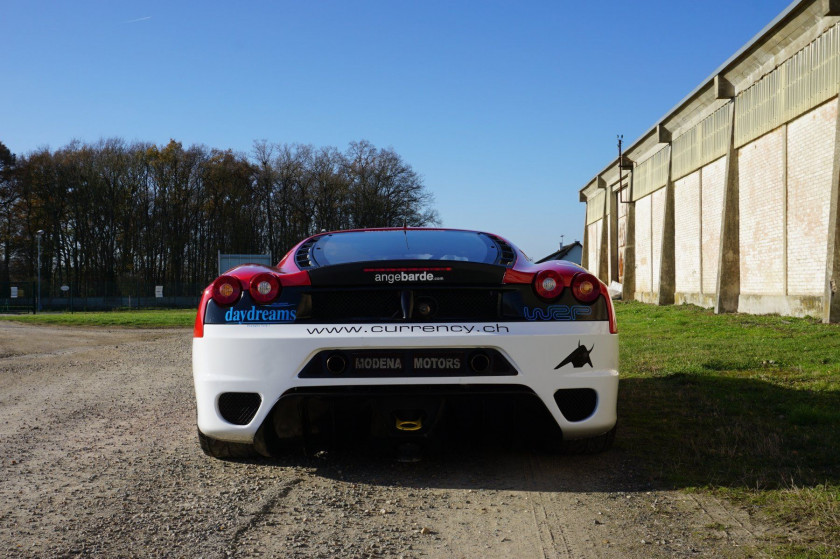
391	329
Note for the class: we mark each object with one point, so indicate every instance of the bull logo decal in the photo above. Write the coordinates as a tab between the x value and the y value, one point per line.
578	358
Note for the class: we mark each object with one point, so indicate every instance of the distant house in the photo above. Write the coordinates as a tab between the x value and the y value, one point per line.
572	252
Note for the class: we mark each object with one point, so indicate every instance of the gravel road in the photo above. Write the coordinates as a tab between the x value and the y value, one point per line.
98	457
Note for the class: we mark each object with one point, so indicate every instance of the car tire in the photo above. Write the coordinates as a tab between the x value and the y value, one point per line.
223	449
591	445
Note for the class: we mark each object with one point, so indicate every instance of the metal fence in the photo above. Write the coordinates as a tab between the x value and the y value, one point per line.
17	297
21	297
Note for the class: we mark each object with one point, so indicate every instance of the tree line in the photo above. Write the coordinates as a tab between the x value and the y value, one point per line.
116	214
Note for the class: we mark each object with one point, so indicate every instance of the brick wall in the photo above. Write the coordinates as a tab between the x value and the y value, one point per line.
762	206
643	244
713	177
657	220
810	159
687	233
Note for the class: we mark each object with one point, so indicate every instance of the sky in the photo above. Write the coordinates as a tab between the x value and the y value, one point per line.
506	109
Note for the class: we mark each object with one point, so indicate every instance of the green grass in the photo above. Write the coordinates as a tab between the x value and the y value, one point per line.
744	406
181	318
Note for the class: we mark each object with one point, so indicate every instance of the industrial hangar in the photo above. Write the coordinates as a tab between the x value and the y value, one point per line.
730	201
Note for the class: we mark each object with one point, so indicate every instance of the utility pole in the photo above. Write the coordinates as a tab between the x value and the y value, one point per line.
39	234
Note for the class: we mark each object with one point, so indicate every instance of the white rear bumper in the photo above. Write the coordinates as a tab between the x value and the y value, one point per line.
266	359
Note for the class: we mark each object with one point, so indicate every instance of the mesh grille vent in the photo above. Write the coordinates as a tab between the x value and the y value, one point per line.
576	404
239	408
303	257
507	255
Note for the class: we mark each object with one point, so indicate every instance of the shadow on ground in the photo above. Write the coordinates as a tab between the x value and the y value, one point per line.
674	431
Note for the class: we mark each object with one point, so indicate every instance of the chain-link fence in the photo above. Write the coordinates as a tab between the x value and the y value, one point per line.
21	297
17	297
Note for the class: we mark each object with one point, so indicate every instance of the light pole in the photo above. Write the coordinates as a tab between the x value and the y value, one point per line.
39	234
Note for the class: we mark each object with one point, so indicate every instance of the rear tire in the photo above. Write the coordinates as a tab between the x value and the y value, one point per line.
592	445
223	449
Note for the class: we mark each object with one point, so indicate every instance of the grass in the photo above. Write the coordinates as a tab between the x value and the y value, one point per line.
744	406
153	318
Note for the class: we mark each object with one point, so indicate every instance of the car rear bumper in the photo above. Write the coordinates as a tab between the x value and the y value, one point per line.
267	360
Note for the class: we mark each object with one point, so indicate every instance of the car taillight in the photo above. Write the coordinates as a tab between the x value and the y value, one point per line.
264	288
226	290
585	288
548	284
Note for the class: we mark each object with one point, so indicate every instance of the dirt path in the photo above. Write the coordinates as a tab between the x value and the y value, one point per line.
98	457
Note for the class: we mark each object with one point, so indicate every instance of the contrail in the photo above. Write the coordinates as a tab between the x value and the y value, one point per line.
138	19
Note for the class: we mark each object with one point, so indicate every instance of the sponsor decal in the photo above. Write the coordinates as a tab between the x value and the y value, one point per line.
578	358
437	363
556	312
391	275
405	277
377	363
411	329
276	313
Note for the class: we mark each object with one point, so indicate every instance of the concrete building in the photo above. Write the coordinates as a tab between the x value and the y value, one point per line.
730	201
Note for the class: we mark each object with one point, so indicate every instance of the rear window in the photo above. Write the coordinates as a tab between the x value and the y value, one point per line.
408	244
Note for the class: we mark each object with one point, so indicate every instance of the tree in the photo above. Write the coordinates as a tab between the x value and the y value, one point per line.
116	215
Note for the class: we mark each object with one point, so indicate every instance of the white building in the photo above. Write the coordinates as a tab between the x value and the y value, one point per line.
730	201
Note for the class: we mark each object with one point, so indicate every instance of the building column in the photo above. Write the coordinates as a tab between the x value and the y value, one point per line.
613	248
831	299
584	255
729	259
604	243
667	264
628	287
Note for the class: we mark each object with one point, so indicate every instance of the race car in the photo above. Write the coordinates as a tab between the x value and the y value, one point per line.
395	332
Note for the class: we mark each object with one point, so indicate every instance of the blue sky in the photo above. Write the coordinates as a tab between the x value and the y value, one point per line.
505	108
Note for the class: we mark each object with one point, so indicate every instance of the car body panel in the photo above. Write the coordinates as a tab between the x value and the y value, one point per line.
262	349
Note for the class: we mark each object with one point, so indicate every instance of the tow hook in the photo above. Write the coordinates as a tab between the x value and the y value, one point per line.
409	424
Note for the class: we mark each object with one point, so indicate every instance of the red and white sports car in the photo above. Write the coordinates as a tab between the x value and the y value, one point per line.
393	331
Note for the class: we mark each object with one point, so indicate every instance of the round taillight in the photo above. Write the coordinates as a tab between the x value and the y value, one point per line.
264	288
548	284
585	287
226	290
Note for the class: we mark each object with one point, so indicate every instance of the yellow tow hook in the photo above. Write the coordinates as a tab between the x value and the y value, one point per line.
409	424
